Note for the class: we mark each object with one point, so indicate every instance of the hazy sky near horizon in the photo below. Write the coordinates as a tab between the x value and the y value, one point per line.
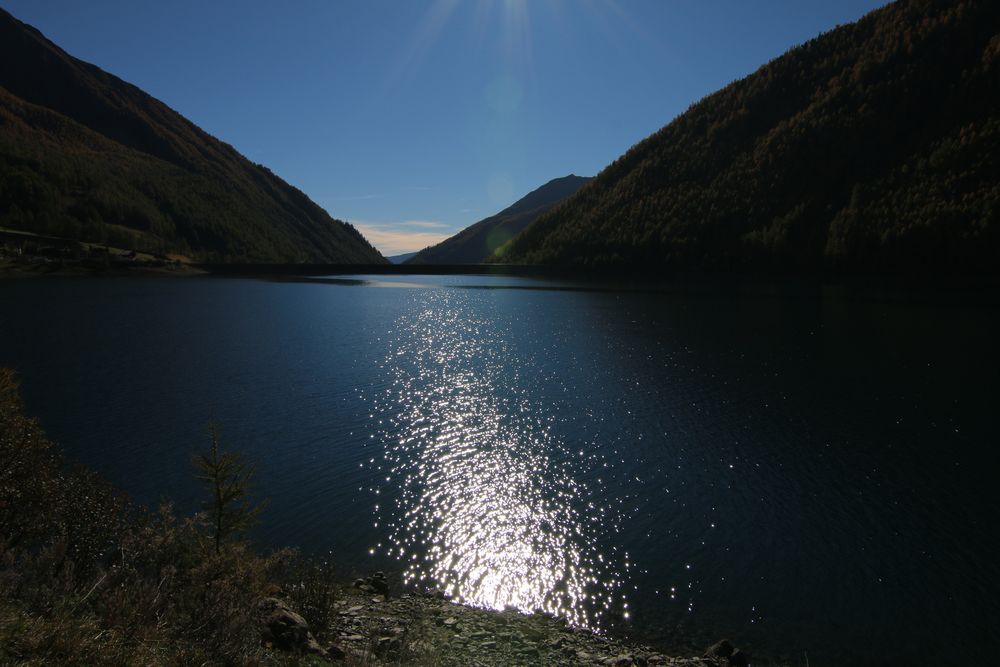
413	119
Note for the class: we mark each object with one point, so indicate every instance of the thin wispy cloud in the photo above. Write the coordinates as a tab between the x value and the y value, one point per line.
396	238
426	224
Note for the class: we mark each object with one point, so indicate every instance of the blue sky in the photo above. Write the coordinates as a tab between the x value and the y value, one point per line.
413	119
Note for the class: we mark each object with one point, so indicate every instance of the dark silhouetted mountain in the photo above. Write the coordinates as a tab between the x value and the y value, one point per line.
86	155
477	242
399	259
874	146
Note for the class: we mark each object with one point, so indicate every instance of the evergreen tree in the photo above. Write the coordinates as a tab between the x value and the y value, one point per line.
227	477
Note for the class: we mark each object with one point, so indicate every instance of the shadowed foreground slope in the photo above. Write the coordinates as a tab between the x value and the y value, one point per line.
875	146
85	155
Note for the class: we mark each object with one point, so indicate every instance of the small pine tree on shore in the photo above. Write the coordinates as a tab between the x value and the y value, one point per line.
227	476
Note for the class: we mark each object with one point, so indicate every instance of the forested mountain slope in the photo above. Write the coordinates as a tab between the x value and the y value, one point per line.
872	147
477	242
86	155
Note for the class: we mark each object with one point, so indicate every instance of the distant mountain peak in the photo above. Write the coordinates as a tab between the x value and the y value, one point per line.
479	241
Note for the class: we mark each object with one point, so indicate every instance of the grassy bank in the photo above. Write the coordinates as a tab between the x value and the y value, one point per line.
86	577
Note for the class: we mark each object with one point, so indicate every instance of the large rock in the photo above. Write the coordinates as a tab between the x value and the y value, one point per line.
286	630
379	583
374	584
723	650
739	659
720	649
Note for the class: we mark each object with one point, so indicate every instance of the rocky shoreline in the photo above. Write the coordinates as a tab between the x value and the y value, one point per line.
371	627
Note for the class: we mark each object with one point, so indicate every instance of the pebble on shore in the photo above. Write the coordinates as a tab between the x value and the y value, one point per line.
374	628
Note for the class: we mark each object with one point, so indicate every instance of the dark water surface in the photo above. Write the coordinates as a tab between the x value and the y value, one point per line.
808	469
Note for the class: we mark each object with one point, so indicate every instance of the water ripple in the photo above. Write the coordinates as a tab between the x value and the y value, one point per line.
490	506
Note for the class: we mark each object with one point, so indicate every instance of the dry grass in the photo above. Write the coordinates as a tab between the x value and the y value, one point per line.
86	578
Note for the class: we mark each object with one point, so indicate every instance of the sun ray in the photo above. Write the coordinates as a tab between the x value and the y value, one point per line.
426	33
517	33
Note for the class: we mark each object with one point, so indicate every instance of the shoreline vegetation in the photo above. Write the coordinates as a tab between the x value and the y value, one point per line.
88	577
26	254
970	285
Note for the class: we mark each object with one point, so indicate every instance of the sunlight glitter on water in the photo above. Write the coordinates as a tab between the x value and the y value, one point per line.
490	507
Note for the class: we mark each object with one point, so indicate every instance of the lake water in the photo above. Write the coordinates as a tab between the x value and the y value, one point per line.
800	469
